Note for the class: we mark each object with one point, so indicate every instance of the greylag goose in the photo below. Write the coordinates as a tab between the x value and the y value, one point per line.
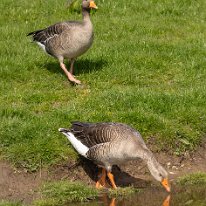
110	144
68	39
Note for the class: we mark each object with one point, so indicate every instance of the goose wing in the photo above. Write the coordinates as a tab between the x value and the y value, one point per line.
51	38
50	32
91	134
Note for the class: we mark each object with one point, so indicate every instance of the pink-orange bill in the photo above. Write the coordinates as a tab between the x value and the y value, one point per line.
166	185
93	5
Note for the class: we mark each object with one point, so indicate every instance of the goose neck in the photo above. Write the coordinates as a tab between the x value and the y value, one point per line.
86	14
154	168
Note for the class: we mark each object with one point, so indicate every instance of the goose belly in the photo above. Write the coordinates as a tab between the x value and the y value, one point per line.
119	159
109	162
116	154
77	45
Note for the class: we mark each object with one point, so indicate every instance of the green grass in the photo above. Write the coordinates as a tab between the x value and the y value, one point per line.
122	192
62	192
193	179
146	68
6	203
190	194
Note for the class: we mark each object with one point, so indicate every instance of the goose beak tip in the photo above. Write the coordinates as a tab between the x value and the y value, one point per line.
93	5
166	185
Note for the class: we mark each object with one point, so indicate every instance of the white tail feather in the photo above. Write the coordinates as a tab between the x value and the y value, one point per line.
42	46
80	148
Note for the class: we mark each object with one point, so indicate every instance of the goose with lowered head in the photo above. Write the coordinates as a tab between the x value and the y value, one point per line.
109	144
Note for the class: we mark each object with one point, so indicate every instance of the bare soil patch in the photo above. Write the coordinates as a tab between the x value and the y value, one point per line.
19	185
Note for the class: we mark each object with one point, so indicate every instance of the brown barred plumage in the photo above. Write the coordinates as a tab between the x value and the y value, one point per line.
109	144
68	39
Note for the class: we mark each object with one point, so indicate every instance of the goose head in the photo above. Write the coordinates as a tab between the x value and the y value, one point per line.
88	4
159	173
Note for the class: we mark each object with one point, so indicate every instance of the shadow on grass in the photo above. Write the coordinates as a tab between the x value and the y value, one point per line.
122	178
80	66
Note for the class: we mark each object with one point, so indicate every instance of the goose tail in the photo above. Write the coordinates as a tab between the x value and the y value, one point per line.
34	32
78	146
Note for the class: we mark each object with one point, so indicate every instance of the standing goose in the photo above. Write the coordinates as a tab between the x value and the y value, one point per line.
68	39
110	144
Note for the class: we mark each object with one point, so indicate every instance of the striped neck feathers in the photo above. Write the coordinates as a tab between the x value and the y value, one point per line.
86	14
156	170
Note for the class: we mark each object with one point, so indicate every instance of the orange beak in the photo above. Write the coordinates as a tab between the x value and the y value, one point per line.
166	185
93	5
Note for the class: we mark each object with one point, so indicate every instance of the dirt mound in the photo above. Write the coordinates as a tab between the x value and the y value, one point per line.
17	185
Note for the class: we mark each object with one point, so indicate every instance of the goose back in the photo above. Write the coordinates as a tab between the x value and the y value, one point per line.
91	134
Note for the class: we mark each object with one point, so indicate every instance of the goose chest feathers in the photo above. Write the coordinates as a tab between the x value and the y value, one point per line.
109	144
68	39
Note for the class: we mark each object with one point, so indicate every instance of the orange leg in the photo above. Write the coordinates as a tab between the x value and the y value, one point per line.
111	178
101	182
72	66
69	75
113	202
